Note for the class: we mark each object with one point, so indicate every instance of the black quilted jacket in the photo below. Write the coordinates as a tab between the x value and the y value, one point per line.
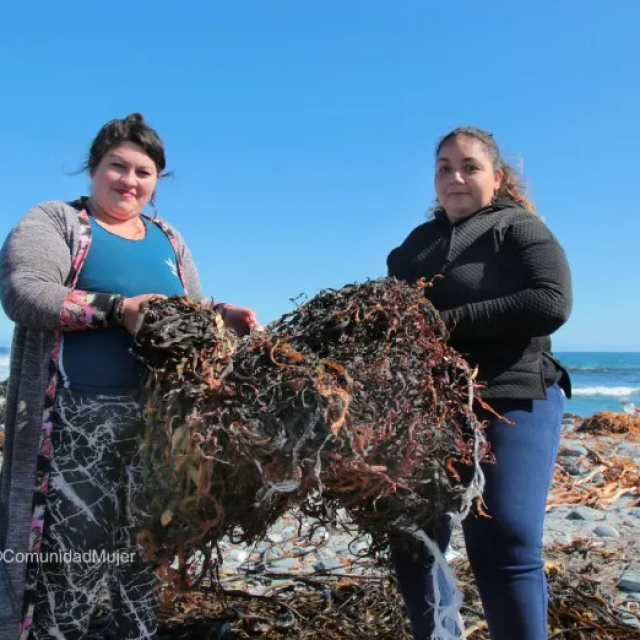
505	287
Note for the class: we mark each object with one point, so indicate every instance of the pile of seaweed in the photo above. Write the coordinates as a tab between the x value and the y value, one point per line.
233	428
610	422
354	400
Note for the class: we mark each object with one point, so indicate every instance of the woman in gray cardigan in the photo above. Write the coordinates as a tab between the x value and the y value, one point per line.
72	278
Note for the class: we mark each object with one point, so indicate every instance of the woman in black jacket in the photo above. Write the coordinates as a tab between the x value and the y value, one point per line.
503	287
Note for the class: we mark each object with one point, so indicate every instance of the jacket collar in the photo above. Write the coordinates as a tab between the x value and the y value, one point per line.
498	205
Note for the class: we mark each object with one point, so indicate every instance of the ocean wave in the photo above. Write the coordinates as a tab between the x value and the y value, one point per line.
614	392
577	369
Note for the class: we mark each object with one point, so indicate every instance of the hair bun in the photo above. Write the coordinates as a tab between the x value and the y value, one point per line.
135	119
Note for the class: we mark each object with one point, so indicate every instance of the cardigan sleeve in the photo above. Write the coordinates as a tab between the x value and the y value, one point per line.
541	307
189	269
35	262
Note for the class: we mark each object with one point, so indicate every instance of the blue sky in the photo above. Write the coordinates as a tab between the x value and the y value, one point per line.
302	133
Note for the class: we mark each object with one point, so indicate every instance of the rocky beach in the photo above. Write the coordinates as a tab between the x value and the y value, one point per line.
592	554
307	582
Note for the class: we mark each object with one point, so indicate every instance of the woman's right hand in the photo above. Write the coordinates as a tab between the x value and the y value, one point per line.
131	310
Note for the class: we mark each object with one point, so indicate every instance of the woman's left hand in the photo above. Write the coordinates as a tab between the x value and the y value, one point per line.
240	319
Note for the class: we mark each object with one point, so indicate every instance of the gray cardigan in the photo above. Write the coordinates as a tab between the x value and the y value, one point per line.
36	263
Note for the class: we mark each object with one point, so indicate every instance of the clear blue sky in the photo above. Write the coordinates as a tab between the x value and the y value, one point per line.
302	133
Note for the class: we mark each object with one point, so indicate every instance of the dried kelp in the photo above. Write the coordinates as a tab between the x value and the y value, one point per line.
411	444
230	425
325	606
354	400
610	422
311	607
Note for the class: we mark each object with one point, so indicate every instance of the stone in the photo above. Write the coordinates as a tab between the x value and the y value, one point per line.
360	546
556	538
328	565
273	554
631	620
236	557
284	565
597	480
606	531
326	553
559	511
274	538
630	581
289	532
572	450
559	526
585	513
628	449
629	522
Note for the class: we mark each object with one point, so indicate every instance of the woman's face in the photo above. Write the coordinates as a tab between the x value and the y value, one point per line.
124	181
465	179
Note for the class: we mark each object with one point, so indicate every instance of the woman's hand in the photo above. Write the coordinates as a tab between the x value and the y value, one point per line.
240	319
131	309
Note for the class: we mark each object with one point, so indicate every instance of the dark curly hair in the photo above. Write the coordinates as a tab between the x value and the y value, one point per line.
132	129
512	186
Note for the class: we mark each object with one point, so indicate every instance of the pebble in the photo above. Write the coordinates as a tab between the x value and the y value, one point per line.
630	581
273	553
284	565
331	565
326	553
560	511
274	538
627	450
597	480
631	620
553	538
236	557
359	546
560	526
606	531
585	513
572	450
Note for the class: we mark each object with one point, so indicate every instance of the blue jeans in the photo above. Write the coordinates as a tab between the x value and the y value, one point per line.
505	551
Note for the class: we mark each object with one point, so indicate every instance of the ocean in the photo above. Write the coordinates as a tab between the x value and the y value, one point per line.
601	381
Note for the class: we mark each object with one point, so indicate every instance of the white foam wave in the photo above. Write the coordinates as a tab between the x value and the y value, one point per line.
615	392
